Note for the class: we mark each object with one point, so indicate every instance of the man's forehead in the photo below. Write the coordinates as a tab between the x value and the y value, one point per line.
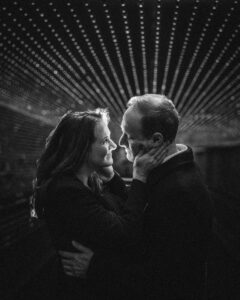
131	119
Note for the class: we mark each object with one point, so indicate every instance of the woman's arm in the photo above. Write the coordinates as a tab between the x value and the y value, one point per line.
84	217
116	186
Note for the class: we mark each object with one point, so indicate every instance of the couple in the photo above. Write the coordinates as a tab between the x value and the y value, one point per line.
149	243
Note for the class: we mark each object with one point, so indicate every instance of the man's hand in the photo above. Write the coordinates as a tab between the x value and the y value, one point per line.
76	264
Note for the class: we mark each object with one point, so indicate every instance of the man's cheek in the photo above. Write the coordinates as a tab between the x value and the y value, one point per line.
136	148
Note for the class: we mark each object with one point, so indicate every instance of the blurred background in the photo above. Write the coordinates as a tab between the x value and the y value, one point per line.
63	55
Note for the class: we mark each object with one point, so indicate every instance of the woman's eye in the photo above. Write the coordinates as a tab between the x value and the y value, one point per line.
106	142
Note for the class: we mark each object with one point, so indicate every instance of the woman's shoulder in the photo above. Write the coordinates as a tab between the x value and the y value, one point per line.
65	189
66	182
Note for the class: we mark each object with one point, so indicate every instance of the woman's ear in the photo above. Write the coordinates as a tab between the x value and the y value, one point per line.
157	138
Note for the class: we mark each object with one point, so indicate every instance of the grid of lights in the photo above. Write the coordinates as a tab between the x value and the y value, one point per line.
120	90
130	46
216	76
170	47
103	88
195	54
117	49
71	55
143	46
156	50
184	47
220	32
90	85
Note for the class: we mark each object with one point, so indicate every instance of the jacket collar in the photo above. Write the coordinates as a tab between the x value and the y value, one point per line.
183	158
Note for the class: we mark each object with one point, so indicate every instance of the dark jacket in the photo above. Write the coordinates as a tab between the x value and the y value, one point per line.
177	230
103	223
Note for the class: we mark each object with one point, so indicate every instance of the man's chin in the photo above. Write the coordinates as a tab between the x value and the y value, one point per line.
129	157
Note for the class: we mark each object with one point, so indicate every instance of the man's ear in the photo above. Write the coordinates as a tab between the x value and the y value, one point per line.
157	138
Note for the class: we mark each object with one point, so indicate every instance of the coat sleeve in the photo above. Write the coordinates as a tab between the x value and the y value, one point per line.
170	268
82	214
117	187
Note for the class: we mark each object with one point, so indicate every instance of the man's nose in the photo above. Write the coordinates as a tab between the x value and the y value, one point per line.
123	141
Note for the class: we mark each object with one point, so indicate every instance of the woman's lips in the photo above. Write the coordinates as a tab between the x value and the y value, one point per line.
109	155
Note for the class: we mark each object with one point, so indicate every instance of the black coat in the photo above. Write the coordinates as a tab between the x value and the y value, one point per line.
106	224
176	234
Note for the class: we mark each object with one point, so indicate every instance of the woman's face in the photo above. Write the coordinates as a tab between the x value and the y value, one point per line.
101	150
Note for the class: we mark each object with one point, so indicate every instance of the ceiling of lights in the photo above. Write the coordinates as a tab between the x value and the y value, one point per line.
72	55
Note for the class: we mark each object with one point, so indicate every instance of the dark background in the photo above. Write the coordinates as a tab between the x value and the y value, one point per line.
57	56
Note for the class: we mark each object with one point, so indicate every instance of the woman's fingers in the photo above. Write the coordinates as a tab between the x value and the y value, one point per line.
157	152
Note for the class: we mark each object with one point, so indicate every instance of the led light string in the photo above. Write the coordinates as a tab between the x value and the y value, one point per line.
179	103
170	46
220	32
120	91
108	83
91	88
206	97
227	65
143	45
130	47
32	52
105	95
117	48
156	49
184	48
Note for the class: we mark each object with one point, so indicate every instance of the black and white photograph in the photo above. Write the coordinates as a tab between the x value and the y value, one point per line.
120	149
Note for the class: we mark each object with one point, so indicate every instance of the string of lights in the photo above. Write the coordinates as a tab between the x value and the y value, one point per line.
210	89
143	46
120	91
107	87
170	47
156	50
217	37
195	54
184	48
130	46
90	86
117	49
59	56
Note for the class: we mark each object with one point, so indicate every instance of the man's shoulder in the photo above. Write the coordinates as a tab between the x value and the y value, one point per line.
185	179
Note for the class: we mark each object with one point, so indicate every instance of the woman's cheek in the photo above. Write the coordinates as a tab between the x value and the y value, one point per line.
104	151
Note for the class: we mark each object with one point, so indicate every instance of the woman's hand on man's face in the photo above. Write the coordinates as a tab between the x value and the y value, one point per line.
144	162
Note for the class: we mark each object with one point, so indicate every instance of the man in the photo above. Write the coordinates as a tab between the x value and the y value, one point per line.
177	218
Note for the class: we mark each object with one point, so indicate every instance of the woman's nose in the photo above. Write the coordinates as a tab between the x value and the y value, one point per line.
122	141
113	146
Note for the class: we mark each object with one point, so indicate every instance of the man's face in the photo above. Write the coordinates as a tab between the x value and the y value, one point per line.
132	139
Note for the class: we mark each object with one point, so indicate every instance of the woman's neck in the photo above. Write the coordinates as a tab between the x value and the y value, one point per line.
83	175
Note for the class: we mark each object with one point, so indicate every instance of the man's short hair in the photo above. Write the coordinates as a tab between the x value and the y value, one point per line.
158	115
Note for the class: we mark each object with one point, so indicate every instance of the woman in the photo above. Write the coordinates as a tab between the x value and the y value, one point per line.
71	196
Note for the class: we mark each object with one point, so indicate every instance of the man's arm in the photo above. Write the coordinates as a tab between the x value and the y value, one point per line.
173	263
76	264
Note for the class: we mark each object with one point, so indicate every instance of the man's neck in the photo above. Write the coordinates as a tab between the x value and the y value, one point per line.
172	149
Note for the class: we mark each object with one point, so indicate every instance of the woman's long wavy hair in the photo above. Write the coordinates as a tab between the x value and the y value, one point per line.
67	147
